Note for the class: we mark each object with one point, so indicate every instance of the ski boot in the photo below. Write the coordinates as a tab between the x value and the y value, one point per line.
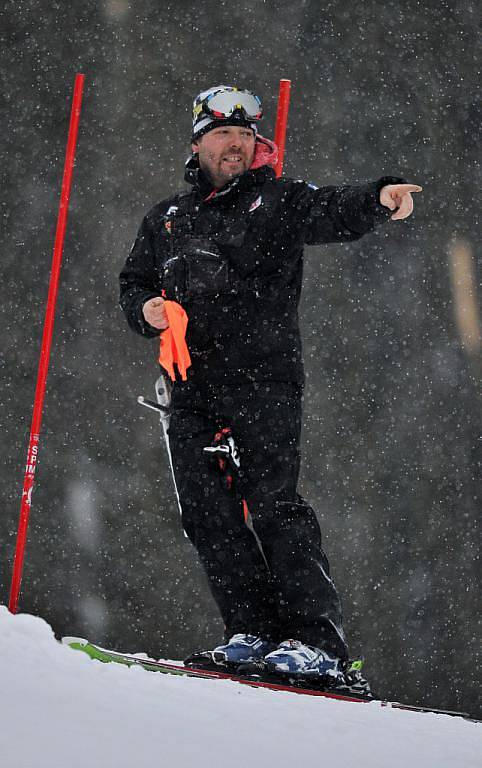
305	662
240	649
312	667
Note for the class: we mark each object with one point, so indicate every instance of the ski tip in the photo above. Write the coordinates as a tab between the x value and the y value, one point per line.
70	641
140	400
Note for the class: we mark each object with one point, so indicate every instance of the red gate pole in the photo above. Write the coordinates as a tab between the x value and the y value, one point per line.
46	344
281	122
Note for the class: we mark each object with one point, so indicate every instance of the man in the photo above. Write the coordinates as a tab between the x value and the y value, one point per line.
230	253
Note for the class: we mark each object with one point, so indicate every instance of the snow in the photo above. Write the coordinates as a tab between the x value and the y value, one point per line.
60	709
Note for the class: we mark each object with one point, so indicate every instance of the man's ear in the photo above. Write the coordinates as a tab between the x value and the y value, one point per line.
195	147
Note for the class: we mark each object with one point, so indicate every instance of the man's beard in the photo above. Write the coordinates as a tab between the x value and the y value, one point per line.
222	179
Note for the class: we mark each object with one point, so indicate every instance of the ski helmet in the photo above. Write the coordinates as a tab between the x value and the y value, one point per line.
225	105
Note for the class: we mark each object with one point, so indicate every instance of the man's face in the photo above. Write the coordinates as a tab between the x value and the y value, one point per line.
225	152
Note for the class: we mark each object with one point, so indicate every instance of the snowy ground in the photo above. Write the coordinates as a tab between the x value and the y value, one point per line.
60	709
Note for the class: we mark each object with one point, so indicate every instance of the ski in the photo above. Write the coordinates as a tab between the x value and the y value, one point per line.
105	655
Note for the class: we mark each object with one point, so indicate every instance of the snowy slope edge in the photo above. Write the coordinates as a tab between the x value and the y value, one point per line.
81	712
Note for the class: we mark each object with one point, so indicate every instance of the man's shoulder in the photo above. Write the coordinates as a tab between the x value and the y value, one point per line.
292	183
289	183
286	189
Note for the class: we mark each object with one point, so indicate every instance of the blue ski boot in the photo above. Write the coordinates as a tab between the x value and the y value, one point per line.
294	659
306	663
242	649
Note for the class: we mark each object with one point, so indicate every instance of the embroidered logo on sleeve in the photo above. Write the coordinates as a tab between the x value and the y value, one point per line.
256	204
309	184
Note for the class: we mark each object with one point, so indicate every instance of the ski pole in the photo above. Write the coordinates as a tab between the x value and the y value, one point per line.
151	404
32	454
281	122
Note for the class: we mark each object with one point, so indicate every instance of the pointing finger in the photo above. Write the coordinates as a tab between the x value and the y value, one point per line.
402	188
412	188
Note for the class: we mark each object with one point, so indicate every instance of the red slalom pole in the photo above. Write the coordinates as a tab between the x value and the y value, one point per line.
46	344
281	122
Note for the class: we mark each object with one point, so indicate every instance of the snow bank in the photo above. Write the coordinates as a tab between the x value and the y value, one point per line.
60	709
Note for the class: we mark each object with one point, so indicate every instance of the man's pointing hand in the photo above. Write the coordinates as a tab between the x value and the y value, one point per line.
399	196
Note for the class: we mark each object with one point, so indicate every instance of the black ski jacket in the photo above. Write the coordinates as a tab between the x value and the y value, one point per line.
258	225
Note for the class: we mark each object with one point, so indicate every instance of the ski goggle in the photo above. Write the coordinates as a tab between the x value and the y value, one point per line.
224	103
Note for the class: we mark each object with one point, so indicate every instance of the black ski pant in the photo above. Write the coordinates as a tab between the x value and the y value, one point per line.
269	578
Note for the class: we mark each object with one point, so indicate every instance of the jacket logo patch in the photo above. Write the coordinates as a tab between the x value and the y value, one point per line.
167	222
256	204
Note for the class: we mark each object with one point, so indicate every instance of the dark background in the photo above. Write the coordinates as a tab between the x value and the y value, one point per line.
392	408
